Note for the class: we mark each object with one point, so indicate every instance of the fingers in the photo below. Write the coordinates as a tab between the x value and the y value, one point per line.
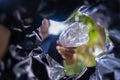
58	42
66	53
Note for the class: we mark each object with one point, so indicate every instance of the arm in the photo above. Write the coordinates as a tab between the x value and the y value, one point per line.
4	40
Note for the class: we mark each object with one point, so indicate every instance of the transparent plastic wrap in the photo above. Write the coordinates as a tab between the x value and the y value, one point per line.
55	70
74	35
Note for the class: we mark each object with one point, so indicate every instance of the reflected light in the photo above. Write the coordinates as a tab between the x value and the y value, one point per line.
56	27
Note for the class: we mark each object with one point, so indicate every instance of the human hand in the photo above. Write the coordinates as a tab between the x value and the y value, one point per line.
67	53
